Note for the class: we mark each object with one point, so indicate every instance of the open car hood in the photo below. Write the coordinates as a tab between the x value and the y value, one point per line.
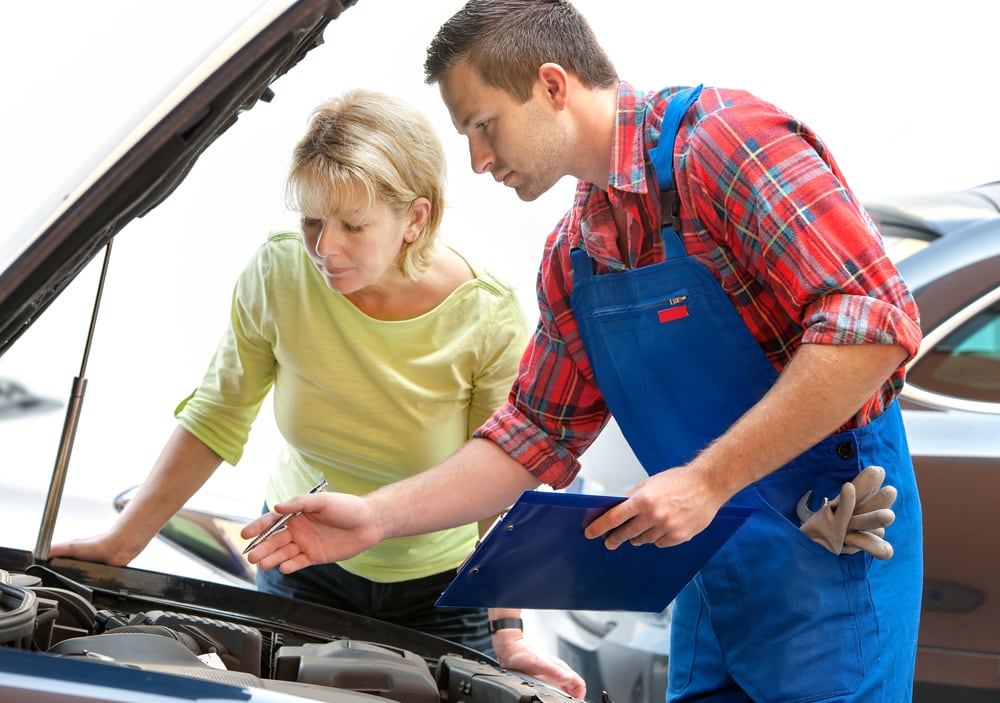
152	157
71	630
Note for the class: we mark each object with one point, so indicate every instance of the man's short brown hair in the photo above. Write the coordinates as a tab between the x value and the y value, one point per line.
507	40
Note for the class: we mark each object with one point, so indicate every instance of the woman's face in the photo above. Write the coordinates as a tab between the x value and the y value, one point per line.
358	250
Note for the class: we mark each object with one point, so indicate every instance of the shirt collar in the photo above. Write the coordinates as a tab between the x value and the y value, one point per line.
627	178
628	149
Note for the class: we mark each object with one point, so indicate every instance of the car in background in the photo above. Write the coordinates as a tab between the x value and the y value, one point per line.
951	409
73	631
947	246
18	401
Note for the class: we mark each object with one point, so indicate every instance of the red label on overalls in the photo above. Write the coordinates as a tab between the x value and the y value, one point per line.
674	313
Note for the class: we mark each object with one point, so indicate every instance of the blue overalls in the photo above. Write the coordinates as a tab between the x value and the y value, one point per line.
773	616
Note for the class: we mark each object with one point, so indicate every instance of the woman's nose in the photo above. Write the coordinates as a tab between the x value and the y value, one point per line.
327	241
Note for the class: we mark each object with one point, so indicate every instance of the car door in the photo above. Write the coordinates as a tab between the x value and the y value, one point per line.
952	415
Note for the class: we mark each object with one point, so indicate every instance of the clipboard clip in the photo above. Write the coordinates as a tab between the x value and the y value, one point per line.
479	543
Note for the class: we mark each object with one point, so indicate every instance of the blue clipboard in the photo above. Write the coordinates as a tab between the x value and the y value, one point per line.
537	557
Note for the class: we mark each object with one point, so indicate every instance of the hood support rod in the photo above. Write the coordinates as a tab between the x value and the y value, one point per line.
68	436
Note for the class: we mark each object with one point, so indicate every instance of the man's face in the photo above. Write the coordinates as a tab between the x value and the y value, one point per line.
523	146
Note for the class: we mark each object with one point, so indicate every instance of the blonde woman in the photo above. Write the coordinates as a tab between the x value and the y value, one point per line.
385	350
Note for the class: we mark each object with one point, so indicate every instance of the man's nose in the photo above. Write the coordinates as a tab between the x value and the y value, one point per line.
481	156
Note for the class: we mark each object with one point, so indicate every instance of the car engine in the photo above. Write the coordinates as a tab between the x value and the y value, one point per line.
47	612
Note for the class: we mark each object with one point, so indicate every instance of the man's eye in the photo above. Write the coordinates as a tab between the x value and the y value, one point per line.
483	125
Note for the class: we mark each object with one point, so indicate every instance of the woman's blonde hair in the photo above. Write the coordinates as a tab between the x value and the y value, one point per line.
373	146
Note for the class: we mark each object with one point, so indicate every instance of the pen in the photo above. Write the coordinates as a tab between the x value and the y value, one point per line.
280	523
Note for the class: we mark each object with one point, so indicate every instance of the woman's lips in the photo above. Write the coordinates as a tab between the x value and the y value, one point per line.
332	271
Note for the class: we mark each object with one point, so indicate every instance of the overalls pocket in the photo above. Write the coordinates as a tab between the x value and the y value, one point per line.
789	614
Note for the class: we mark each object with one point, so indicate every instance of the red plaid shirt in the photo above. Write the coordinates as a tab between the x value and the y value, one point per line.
763	206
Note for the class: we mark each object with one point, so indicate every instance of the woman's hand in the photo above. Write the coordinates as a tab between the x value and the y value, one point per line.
105	548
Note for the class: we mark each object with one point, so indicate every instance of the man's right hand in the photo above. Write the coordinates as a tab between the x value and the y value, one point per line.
332	527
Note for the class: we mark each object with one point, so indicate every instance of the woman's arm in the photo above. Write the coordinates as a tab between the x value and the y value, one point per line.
184	464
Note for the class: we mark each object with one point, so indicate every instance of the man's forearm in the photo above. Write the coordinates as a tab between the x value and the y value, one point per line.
819	391
822	387
477	481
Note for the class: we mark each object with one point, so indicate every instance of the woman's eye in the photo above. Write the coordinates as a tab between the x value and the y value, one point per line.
311	223
353	229
483	125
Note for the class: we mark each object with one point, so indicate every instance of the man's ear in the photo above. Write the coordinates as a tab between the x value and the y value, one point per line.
419	212
555	83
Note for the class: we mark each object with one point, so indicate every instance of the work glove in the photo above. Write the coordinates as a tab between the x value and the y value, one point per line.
854	521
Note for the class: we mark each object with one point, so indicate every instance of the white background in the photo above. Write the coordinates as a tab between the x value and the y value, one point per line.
902	91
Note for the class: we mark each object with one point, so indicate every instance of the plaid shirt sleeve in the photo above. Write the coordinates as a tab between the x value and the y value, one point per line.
555	410
771	214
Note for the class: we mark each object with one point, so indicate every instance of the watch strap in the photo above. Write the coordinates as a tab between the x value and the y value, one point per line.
506	624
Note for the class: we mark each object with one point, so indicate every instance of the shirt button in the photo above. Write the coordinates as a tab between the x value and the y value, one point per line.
845	450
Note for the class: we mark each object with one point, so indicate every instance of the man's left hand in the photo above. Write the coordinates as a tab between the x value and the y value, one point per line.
515	653
666	509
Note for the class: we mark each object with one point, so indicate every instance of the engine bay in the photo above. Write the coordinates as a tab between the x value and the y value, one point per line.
315	655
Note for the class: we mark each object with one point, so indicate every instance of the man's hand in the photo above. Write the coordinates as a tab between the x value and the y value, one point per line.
332	527
666	509
515	653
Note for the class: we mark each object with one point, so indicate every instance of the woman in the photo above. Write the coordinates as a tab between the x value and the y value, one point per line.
385	351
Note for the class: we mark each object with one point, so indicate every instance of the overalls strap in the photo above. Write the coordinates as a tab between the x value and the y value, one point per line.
662	158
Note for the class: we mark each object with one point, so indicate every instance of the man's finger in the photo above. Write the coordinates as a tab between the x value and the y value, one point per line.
649	536
273	550
258	525
628	531
292	565
609	520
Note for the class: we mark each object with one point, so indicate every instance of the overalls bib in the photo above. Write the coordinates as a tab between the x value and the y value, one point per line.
773	616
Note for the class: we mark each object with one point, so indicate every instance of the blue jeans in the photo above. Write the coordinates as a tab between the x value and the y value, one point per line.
407	603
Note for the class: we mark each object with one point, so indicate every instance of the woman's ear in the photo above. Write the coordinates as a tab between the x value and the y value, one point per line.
420	211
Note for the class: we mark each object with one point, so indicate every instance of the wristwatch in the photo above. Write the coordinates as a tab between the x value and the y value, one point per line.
506	624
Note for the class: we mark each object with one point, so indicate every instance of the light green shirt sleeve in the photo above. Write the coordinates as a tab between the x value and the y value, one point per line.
360	402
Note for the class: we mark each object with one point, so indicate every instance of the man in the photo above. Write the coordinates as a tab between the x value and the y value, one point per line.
751	349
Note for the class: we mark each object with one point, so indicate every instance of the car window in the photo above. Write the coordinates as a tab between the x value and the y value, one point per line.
966	363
